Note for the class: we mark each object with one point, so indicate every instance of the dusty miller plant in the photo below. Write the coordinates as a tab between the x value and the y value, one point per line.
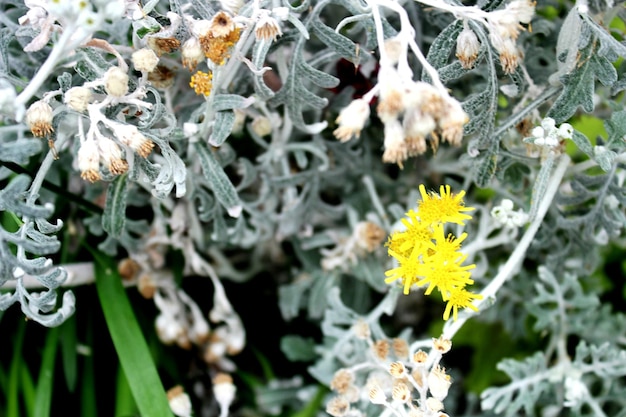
292	138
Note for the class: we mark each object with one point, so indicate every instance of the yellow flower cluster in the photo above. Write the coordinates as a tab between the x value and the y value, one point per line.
427	256
201	82
222	36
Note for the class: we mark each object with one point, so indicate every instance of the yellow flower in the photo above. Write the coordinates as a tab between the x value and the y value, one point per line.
416	233
443	208
201	83
427	256
407	269
444	274
446	245
460	298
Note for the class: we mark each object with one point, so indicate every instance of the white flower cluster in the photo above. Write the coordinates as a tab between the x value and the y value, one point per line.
508	218
404	383
548	136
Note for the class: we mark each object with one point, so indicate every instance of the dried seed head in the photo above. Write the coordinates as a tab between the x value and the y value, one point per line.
361	330
162	77
342	380
89	161
390	105
401	392
396	150
78	98
442	345
146	286
467	47
180	404
221	25
452	121
351	120
267	27
369	236
397	370
116	82
224	391
420	357
377	395
128	269
39	119
400	348
434	404
192	53
338	407
438	383
163	45
145	60
380	349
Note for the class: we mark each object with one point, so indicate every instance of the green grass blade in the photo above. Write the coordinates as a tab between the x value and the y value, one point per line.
28	389
13	404
124	402
88	404
129	342
45	383
69	353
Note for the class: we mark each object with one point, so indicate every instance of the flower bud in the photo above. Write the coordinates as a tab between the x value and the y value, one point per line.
77	98
439	383
467	47
145	60
351	120
267	27
116	82
89	161
224	391
130	136
180	404
262	126
39	119
221	25
192	53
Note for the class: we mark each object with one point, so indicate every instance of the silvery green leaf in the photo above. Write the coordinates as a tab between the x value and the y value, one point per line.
616	129
20	150
529	381
114	216
605	360
220	183
297	348
582	143
345	47
604	157
610	47
222	127
318	297
579	84
65	81
486	165
6	36
317	77
259	54
172	173
12	199
443	46
90	64
223	102
541	184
